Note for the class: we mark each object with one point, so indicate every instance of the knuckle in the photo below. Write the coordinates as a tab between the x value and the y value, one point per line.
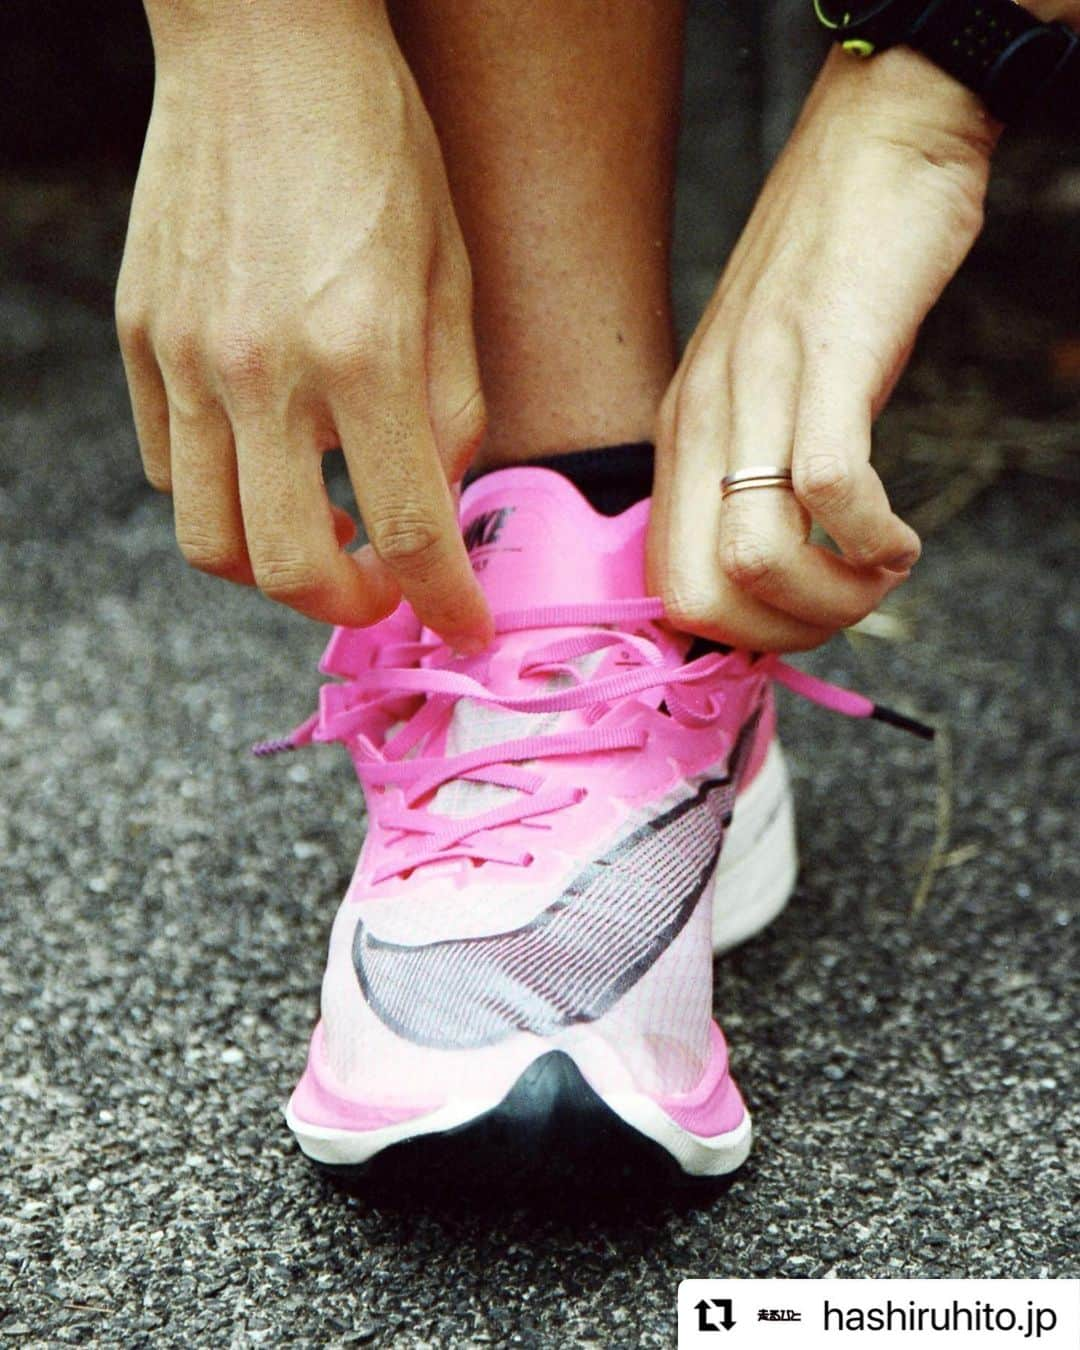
158	476
289	580
748	560
206	553
242	360
132	324
405	540
687	602
179	351
342	356
375	358
866	551
970	217
824	480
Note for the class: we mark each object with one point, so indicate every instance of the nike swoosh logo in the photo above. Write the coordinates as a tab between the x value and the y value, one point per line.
574	960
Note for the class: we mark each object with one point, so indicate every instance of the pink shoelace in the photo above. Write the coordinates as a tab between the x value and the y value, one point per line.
361	710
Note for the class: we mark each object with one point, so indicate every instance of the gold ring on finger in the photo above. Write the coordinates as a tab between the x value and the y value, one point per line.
758	476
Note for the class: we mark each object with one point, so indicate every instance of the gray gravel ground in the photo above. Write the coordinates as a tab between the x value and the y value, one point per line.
165	902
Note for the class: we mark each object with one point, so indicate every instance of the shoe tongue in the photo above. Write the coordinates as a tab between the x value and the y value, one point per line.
533	540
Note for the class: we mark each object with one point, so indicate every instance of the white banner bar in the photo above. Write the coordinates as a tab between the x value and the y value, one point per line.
902	1314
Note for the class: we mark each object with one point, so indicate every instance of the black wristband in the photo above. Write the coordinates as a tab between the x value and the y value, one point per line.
1001	51
1017	65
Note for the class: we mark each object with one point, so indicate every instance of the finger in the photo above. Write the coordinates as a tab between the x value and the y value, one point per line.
833	477
206	494
290	529
149	402
683	560
455	399
764	370
765	551
406	503
763	545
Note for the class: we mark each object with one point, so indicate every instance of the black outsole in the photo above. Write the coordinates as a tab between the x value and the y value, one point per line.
550	1135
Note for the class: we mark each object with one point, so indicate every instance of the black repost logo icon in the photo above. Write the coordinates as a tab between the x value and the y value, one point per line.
722	1323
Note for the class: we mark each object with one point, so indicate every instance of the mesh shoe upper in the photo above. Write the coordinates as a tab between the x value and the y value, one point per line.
544	821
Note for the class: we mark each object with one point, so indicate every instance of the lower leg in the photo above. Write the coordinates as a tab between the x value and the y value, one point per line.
558	124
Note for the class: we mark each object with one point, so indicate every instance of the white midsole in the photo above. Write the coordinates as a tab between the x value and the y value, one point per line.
697	1155
348	1148
756	873
752	883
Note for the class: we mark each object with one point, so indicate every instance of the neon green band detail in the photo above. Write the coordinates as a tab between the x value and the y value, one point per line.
858	47
826	21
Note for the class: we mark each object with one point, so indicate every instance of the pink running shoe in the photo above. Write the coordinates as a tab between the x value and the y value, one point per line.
521	968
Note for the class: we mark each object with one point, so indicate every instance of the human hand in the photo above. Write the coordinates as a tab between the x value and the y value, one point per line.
864	219
294	279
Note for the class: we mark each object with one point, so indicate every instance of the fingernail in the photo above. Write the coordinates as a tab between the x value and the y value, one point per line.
467	645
